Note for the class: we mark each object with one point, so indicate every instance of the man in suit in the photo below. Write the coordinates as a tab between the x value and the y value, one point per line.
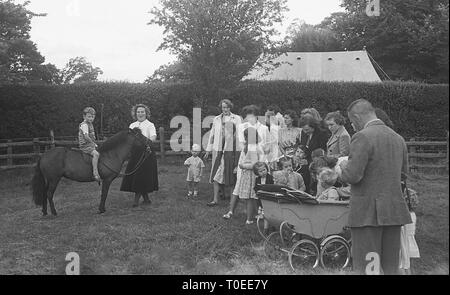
378	156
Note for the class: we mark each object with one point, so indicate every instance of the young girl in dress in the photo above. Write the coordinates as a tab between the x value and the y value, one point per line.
261	169
408	244
252	154
195	168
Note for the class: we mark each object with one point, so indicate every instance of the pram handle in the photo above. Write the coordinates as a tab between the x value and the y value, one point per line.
298	192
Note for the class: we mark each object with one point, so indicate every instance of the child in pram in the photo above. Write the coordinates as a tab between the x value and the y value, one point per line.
327	179
287	176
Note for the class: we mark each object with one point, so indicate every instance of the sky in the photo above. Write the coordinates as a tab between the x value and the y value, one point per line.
114	35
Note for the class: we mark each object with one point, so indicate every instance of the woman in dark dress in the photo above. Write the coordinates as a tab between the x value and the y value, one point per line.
313	137
145	179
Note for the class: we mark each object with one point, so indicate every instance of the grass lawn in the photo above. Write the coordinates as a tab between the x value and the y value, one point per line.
173	235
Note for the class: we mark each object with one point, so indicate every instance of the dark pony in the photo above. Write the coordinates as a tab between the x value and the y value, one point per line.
73	164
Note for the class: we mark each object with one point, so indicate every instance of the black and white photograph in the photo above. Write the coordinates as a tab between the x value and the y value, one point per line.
203	140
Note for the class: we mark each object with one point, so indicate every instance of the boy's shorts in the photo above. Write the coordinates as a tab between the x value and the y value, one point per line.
193	178
88	150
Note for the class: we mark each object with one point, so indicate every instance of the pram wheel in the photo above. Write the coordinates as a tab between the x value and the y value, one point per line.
335	254
273	246
304	253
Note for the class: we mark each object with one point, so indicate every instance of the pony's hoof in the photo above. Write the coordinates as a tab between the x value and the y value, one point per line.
44	214
100	211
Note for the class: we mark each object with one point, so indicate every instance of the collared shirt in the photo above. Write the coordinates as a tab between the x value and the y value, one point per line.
373	120
147	128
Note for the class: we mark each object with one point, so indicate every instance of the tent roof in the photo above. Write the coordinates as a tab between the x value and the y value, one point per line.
320	66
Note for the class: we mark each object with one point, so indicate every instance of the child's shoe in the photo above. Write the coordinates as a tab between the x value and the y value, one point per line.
228	215
97	176
195	194
248	222
189	195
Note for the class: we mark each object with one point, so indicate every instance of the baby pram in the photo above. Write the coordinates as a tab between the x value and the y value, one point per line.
309	231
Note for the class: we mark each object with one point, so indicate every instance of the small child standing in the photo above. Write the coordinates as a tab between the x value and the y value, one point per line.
195	170
288	177
252	154
327	179
408	244
261	169
86	139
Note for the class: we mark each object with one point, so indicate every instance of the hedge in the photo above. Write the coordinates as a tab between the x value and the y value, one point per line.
31	111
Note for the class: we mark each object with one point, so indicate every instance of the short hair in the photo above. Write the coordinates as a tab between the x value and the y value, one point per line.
363	107
250	109
336	117
322	162
259	165
313	112
227	102
285	160
88	110
274	108
135	108
384	117
310	121
291	114
318	153
328	176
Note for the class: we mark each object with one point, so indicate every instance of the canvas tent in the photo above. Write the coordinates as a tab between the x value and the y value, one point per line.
320	66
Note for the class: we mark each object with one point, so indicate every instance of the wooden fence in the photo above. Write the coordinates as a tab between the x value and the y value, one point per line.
424	156
24	153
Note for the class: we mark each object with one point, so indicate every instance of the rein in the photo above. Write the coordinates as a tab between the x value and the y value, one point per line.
139	164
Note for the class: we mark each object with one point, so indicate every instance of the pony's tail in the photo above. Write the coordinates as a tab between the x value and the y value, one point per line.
38	185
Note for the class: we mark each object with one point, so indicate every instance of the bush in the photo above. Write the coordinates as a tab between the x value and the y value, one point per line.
31	111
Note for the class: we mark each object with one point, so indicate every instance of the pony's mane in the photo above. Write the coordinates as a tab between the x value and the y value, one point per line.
114	141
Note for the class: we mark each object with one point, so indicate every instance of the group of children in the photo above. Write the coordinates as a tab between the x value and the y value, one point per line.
255	171
324	170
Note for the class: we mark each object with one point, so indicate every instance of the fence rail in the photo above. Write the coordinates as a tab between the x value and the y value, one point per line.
423	155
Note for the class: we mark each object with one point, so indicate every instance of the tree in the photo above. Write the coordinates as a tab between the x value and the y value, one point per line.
218	41
303	37
79	70
173	72
20	62
409	39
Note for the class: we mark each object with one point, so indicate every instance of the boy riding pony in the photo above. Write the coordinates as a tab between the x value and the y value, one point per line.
86	139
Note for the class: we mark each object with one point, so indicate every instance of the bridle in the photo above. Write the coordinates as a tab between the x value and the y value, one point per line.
147	151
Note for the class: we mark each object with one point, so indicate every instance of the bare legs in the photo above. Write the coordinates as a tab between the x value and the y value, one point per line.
192	188
216	189
95	156
233	203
